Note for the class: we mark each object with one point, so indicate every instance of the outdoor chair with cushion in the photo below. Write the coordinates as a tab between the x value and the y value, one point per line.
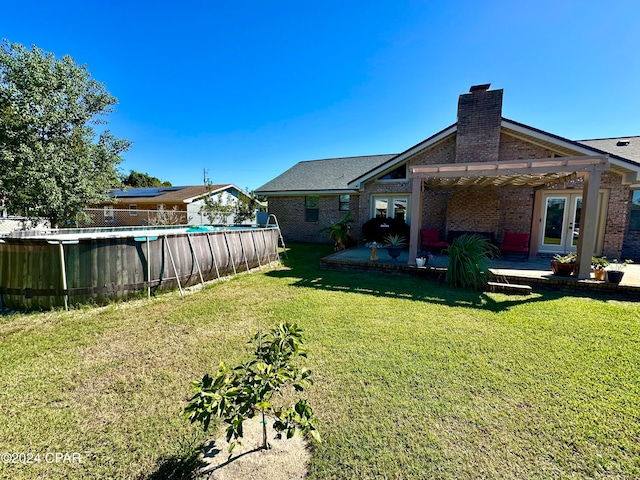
515	243
430	240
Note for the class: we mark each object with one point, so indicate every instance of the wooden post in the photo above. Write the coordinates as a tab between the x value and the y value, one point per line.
416	219
588	222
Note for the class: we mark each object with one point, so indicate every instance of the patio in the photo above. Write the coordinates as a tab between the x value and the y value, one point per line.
535	272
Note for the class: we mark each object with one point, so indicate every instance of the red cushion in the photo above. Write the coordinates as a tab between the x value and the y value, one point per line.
515	242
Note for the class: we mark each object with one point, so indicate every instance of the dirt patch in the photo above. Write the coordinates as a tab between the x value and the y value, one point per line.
286	460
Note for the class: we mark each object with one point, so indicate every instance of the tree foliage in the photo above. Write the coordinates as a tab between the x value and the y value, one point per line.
218	209
141	180
53	161
235	395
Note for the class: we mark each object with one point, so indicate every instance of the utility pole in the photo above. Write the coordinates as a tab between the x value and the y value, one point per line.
204	176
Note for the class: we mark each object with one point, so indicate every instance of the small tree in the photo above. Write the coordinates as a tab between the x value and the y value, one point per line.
245	208
216	208
235	395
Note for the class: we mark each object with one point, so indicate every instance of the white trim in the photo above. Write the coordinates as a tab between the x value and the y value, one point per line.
298	193
357	184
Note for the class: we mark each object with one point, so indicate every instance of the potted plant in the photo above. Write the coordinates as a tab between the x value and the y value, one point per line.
615	270
423	260
394	245
564	265
599	264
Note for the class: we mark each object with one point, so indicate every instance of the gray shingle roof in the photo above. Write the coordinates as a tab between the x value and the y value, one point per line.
322	175
625	147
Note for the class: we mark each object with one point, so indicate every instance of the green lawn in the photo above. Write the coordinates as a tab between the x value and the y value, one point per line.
412	379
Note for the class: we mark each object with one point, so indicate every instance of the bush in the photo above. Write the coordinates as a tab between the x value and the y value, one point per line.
376	229
468	266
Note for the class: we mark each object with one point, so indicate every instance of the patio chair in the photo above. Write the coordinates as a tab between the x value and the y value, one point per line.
515	243
430	240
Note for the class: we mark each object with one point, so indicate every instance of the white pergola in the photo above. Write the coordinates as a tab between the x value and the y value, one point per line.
535	174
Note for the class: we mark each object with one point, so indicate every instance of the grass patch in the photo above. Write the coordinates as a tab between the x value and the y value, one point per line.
412	379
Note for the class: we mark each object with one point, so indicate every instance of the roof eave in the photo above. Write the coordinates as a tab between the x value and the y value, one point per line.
356	183
280	193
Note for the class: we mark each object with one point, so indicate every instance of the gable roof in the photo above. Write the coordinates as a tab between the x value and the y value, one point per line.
182	194
331	175
629	164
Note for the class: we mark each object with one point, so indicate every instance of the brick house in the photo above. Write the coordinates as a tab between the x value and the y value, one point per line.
484	173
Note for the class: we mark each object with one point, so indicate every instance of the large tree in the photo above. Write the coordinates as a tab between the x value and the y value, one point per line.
52	161
140	179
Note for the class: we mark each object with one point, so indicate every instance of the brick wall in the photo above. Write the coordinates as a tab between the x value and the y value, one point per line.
475	210
479	118
290	212
617	215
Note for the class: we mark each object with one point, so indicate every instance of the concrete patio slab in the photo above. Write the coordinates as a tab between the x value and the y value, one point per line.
535	272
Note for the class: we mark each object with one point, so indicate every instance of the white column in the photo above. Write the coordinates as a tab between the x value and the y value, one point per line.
416	219
588	222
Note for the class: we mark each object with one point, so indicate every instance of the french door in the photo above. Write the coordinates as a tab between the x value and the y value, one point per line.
561	222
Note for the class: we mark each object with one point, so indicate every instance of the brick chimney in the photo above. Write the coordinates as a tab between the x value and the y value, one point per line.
479	117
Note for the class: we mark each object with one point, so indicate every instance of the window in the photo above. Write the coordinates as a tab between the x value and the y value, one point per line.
394	207
133	210
380	207
634	217
312	209
399	173
344	203
108	213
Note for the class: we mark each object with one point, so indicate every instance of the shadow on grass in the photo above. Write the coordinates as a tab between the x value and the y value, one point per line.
304	265
213	451
177	467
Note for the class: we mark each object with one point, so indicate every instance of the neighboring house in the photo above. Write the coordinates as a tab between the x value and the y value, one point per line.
141	206
484	173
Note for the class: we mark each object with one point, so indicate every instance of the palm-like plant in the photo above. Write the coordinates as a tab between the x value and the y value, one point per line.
339	232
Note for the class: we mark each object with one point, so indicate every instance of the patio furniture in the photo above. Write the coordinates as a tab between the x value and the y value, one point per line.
430	240
515	243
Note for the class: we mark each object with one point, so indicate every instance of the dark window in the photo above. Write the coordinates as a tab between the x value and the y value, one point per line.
399	173
312	208
634	218
344	203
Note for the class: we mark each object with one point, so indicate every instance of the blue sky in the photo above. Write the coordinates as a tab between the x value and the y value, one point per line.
246	89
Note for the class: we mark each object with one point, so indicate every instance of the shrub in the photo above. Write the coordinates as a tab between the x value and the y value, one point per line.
468	266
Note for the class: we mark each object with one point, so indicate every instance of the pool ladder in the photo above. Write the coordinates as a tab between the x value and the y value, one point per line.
275	222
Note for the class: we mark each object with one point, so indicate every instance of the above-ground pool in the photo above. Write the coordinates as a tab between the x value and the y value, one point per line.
42	271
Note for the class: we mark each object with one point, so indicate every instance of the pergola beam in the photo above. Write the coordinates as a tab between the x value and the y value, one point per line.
563	165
